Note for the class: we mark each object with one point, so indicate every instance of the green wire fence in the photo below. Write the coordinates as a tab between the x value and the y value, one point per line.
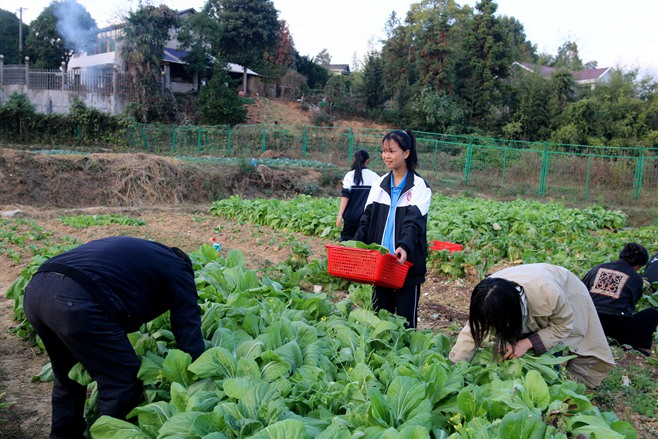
603	174
599	173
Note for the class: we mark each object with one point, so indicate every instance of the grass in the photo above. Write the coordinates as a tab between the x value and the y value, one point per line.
631	388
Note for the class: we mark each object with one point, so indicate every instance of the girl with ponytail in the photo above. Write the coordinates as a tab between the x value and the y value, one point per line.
356	187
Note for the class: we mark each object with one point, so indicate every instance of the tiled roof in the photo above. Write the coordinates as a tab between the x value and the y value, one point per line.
578	75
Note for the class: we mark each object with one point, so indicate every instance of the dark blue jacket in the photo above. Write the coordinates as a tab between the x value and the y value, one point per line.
136	280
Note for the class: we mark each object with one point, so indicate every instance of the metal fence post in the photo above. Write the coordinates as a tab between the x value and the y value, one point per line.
541	190
350	150
502	182
229	141
436	150
639	174
469	157
589	167
263	146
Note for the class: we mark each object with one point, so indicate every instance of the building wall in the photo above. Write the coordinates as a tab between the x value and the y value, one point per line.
58	101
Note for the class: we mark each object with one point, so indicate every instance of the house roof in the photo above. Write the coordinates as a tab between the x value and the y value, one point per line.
338	68
174	56
587	75
237	68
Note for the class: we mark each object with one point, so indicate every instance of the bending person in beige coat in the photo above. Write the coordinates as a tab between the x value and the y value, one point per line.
537	306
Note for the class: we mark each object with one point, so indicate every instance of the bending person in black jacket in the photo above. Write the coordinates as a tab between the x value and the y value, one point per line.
395	216
83	302
615	288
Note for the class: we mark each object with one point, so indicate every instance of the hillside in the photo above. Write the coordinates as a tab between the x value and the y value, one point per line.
276	111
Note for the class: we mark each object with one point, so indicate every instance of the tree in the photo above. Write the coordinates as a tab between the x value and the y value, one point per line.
291	84
218	103
568	58
316	76
373	82
9	37
532	107
200	35
563	84
62	28
323	58
487	59
251	27
285	50
145	36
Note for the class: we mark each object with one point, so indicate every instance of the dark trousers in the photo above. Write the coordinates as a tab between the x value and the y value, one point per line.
636	330
74	328
349	230
403	302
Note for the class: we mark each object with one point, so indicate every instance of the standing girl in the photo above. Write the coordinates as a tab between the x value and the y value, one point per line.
395	216
356	187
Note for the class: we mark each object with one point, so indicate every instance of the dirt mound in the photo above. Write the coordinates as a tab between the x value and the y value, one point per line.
115	180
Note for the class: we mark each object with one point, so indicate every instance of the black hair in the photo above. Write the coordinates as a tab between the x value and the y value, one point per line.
407	141
184	257
634	254
496	307
359	163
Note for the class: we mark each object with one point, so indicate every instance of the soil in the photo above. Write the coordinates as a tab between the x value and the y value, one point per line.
173	199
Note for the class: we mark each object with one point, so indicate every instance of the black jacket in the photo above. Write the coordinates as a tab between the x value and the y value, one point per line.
136	280
651	270
615	288
410	221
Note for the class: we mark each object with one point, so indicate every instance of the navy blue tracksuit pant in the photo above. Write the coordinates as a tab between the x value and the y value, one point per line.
74	328
403	302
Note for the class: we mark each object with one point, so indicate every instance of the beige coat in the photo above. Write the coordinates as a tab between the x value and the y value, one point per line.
560	310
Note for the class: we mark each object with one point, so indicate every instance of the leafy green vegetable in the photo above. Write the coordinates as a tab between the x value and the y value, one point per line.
358	244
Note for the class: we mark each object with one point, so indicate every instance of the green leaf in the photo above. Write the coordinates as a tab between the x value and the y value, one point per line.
216	362
152	416
536	390
80	375
150	370
107	427
522	425
175	365
180	426
286	429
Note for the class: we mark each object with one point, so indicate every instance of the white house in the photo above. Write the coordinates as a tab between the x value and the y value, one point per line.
106	56
589	77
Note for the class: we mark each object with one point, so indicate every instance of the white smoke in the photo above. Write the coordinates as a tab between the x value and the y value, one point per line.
75	25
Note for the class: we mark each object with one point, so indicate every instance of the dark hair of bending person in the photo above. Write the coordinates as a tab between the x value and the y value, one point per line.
496	307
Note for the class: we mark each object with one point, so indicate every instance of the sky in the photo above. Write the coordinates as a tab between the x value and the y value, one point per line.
613	33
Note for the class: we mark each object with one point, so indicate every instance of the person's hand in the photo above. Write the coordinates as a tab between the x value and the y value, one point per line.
518	350
339	220
401	254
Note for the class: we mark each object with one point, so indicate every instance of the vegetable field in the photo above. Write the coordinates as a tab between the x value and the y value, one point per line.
284	361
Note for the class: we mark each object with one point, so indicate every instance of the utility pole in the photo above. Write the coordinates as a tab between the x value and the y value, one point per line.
20	34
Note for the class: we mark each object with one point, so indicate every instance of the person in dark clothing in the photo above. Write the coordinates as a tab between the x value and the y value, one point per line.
651	270
84	302
395	216
356	187
616	287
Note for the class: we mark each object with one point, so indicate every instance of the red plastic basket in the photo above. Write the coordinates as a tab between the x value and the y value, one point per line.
440	245
366	266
